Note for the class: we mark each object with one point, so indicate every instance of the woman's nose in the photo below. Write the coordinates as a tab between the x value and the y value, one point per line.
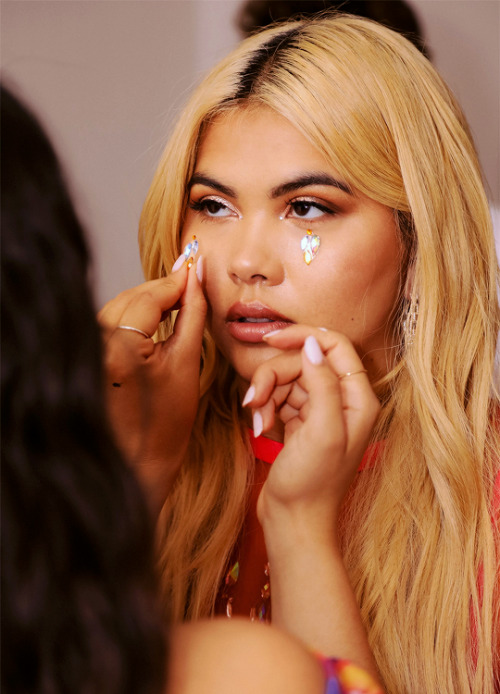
253	256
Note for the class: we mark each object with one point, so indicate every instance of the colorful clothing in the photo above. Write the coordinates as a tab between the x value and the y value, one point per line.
342	677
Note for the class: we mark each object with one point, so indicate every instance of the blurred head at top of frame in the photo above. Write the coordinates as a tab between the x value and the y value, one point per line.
395	14
375	108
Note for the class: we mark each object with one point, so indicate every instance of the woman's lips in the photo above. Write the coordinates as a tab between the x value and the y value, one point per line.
250	322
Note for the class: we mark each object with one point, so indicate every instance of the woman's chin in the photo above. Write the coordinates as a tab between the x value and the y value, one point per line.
246	360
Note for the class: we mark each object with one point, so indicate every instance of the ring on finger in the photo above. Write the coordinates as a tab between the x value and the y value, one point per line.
351	373
135	330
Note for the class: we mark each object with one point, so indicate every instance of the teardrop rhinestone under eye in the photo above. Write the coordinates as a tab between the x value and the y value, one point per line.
191	249
309	245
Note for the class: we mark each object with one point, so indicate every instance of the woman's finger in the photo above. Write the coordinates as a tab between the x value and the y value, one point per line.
142	307
360	405
307	469
190	320
340	354
297	396
345	359
325	397
281	370
296	405
287	414
264	416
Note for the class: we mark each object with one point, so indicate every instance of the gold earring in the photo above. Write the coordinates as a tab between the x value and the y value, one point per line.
410	322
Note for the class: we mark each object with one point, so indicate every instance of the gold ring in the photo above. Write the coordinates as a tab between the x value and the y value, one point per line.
351	373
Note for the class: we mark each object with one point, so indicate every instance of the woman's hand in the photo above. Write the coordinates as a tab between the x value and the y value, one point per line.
328	419
153	388
319	387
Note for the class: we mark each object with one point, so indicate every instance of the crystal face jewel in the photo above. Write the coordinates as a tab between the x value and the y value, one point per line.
310	246
191	249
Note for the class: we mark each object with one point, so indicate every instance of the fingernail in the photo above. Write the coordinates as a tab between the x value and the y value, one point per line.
258	425
325	330
178	263
273	332
313	350
199	269
249	396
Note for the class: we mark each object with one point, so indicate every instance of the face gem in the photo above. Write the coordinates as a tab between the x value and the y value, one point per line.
191	248
310	246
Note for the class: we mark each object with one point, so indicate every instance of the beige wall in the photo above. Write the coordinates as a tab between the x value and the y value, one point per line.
464	38
108	76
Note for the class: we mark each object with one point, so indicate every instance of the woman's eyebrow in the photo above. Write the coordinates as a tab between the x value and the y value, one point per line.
202	179
310	179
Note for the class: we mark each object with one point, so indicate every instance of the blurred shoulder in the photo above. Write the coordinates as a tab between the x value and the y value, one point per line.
223	656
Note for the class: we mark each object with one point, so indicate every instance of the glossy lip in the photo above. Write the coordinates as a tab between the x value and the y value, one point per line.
253	332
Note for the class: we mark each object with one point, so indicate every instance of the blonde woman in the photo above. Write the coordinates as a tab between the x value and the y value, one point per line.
327	177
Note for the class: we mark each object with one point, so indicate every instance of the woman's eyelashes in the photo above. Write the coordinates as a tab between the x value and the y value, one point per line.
214	207
307	209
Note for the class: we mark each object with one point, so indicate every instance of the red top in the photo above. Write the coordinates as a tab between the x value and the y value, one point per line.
265	449
268	450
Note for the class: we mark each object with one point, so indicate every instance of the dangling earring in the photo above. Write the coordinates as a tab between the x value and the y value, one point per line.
190	250
310	246
410	322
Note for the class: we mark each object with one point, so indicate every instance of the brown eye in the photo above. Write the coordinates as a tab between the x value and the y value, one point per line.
308	209
301	208
213	206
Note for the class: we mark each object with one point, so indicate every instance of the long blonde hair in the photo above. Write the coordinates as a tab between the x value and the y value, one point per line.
419	541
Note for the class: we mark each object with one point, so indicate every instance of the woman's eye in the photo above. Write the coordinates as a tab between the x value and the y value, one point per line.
215	208
212	207
307	209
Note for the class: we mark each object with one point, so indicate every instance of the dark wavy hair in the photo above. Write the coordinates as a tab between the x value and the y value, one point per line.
79	607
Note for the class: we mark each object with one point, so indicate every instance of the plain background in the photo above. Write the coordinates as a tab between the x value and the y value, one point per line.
108	77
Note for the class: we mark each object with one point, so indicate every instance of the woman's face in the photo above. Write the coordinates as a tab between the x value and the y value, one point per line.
258	187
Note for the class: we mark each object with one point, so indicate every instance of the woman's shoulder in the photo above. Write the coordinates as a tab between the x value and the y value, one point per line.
223	656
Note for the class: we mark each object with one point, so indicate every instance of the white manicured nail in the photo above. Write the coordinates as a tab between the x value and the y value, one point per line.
178	263
199	269
249	396
258	425
273	332
313	350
